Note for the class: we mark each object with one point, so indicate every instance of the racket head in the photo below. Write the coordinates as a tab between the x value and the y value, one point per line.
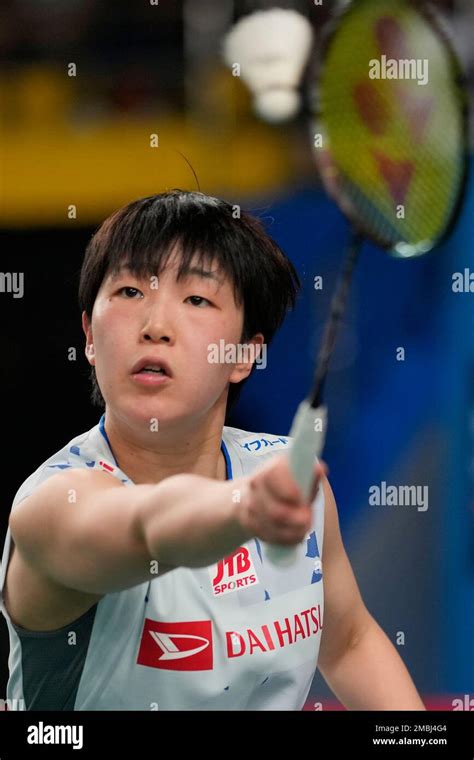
393	152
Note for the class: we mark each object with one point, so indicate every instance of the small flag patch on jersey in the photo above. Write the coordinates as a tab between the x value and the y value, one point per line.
106	466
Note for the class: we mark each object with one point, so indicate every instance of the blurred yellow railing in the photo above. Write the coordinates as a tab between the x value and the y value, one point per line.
51	161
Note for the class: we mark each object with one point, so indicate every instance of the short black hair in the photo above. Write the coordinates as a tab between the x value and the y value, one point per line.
142	235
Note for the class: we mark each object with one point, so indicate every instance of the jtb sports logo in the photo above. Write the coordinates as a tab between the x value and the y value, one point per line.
176	646
233	572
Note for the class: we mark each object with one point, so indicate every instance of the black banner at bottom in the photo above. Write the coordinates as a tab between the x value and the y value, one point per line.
374	734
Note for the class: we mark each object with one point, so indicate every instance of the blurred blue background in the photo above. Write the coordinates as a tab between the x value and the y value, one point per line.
402	422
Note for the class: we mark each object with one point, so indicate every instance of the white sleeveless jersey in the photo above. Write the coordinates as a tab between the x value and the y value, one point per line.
241	634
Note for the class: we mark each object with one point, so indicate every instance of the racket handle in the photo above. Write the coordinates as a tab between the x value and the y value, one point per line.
308	431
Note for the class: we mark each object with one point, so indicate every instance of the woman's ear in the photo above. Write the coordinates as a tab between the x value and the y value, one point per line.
89	350
248	354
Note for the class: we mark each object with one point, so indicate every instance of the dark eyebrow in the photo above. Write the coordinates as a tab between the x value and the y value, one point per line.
187	272
205	273
122	271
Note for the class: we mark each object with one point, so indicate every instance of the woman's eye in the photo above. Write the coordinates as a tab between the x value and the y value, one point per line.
200	299
129	292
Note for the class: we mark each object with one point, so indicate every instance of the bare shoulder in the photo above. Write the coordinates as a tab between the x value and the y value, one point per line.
34	601
48	502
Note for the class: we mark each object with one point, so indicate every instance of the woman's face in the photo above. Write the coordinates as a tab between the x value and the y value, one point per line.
169	320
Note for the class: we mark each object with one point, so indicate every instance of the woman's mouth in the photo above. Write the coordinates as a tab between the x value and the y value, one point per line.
151	377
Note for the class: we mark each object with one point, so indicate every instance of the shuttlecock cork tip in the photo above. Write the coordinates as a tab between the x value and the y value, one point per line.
277	105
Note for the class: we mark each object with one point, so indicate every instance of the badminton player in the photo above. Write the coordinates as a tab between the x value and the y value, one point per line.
135	573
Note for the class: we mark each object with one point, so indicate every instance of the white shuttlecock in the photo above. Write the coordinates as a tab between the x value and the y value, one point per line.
270	49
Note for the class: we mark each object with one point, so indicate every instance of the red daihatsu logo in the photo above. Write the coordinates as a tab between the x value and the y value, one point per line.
176	646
